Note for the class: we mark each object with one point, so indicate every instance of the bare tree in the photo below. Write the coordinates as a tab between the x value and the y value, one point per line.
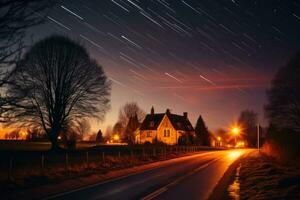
108	133
56	85
248	120
130	110
118	128
15	17
131	127
83	127
126	112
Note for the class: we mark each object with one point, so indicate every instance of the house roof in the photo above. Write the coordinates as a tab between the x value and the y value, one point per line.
152	121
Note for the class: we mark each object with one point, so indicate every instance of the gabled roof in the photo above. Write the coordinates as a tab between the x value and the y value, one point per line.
180	122
152	121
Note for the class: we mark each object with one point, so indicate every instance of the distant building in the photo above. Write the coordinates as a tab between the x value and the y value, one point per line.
164	127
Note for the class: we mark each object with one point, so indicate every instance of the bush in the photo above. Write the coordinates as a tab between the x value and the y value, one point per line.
283	146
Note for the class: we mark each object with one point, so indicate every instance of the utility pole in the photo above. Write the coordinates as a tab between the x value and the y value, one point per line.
258	134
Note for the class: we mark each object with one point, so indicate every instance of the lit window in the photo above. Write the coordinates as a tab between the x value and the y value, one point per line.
166	133
149	134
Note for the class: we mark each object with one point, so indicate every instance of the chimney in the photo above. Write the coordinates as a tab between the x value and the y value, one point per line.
152	111
185	114
168	111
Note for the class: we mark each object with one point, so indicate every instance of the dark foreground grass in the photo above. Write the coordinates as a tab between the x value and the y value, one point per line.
25	145
263	177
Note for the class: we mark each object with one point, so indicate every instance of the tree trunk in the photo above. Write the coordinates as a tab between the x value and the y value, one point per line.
54	142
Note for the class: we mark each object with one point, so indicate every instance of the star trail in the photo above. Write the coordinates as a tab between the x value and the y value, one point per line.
206	57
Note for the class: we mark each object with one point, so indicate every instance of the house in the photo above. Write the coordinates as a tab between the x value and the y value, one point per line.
164	127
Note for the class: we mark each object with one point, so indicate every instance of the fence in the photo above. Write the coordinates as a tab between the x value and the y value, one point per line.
19	165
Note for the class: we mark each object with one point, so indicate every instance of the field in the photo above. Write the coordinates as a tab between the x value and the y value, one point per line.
23	145
21	159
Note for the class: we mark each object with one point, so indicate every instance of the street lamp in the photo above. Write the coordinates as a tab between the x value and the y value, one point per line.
219	141
258	134
236	131
116	137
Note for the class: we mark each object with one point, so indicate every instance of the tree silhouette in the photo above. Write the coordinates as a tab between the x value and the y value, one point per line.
283	109
248	121
83	127
99	137
131	127
118	129
202	133
126	112
108	133
129	110
15	17
56	85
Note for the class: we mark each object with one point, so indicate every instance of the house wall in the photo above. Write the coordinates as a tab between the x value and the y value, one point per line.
142	135
166	125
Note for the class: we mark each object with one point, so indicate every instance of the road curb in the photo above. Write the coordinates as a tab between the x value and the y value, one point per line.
220	191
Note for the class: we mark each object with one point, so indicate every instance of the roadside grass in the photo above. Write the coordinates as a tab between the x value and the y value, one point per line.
263	177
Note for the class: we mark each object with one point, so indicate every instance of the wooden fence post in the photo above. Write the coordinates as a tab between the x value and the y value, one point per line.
103	157
131	154
87	159
43	163
67	161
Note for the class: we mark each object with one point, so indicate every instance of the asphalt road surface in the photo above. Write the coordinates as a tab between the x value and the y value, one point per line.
190	177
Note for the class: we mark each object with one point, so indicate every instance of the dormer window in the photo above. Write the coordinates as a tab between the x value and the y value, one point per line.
151	124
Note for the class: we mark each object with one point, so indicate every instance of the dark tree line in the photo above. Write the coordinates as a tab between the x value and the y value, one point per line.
283	109
249	120
283	112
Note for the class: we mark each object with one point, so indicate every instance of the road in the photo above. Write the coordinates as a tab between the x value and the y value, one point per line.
190	177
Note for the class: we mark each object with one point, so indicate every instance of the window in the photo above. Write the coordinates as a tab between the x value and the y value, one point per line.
152	124
166	133
148	133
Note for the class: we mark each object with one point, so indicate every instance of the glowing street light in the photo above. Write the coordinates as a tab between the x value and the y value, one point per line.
235	131
219	141
116	137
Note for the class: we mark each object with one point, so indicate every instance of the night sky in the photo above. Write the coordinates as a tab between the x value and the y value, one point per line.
206	57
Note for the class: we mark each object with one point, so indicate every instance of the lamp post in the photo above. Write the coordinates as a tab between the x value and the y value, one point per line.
236	131
219	141
258	134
